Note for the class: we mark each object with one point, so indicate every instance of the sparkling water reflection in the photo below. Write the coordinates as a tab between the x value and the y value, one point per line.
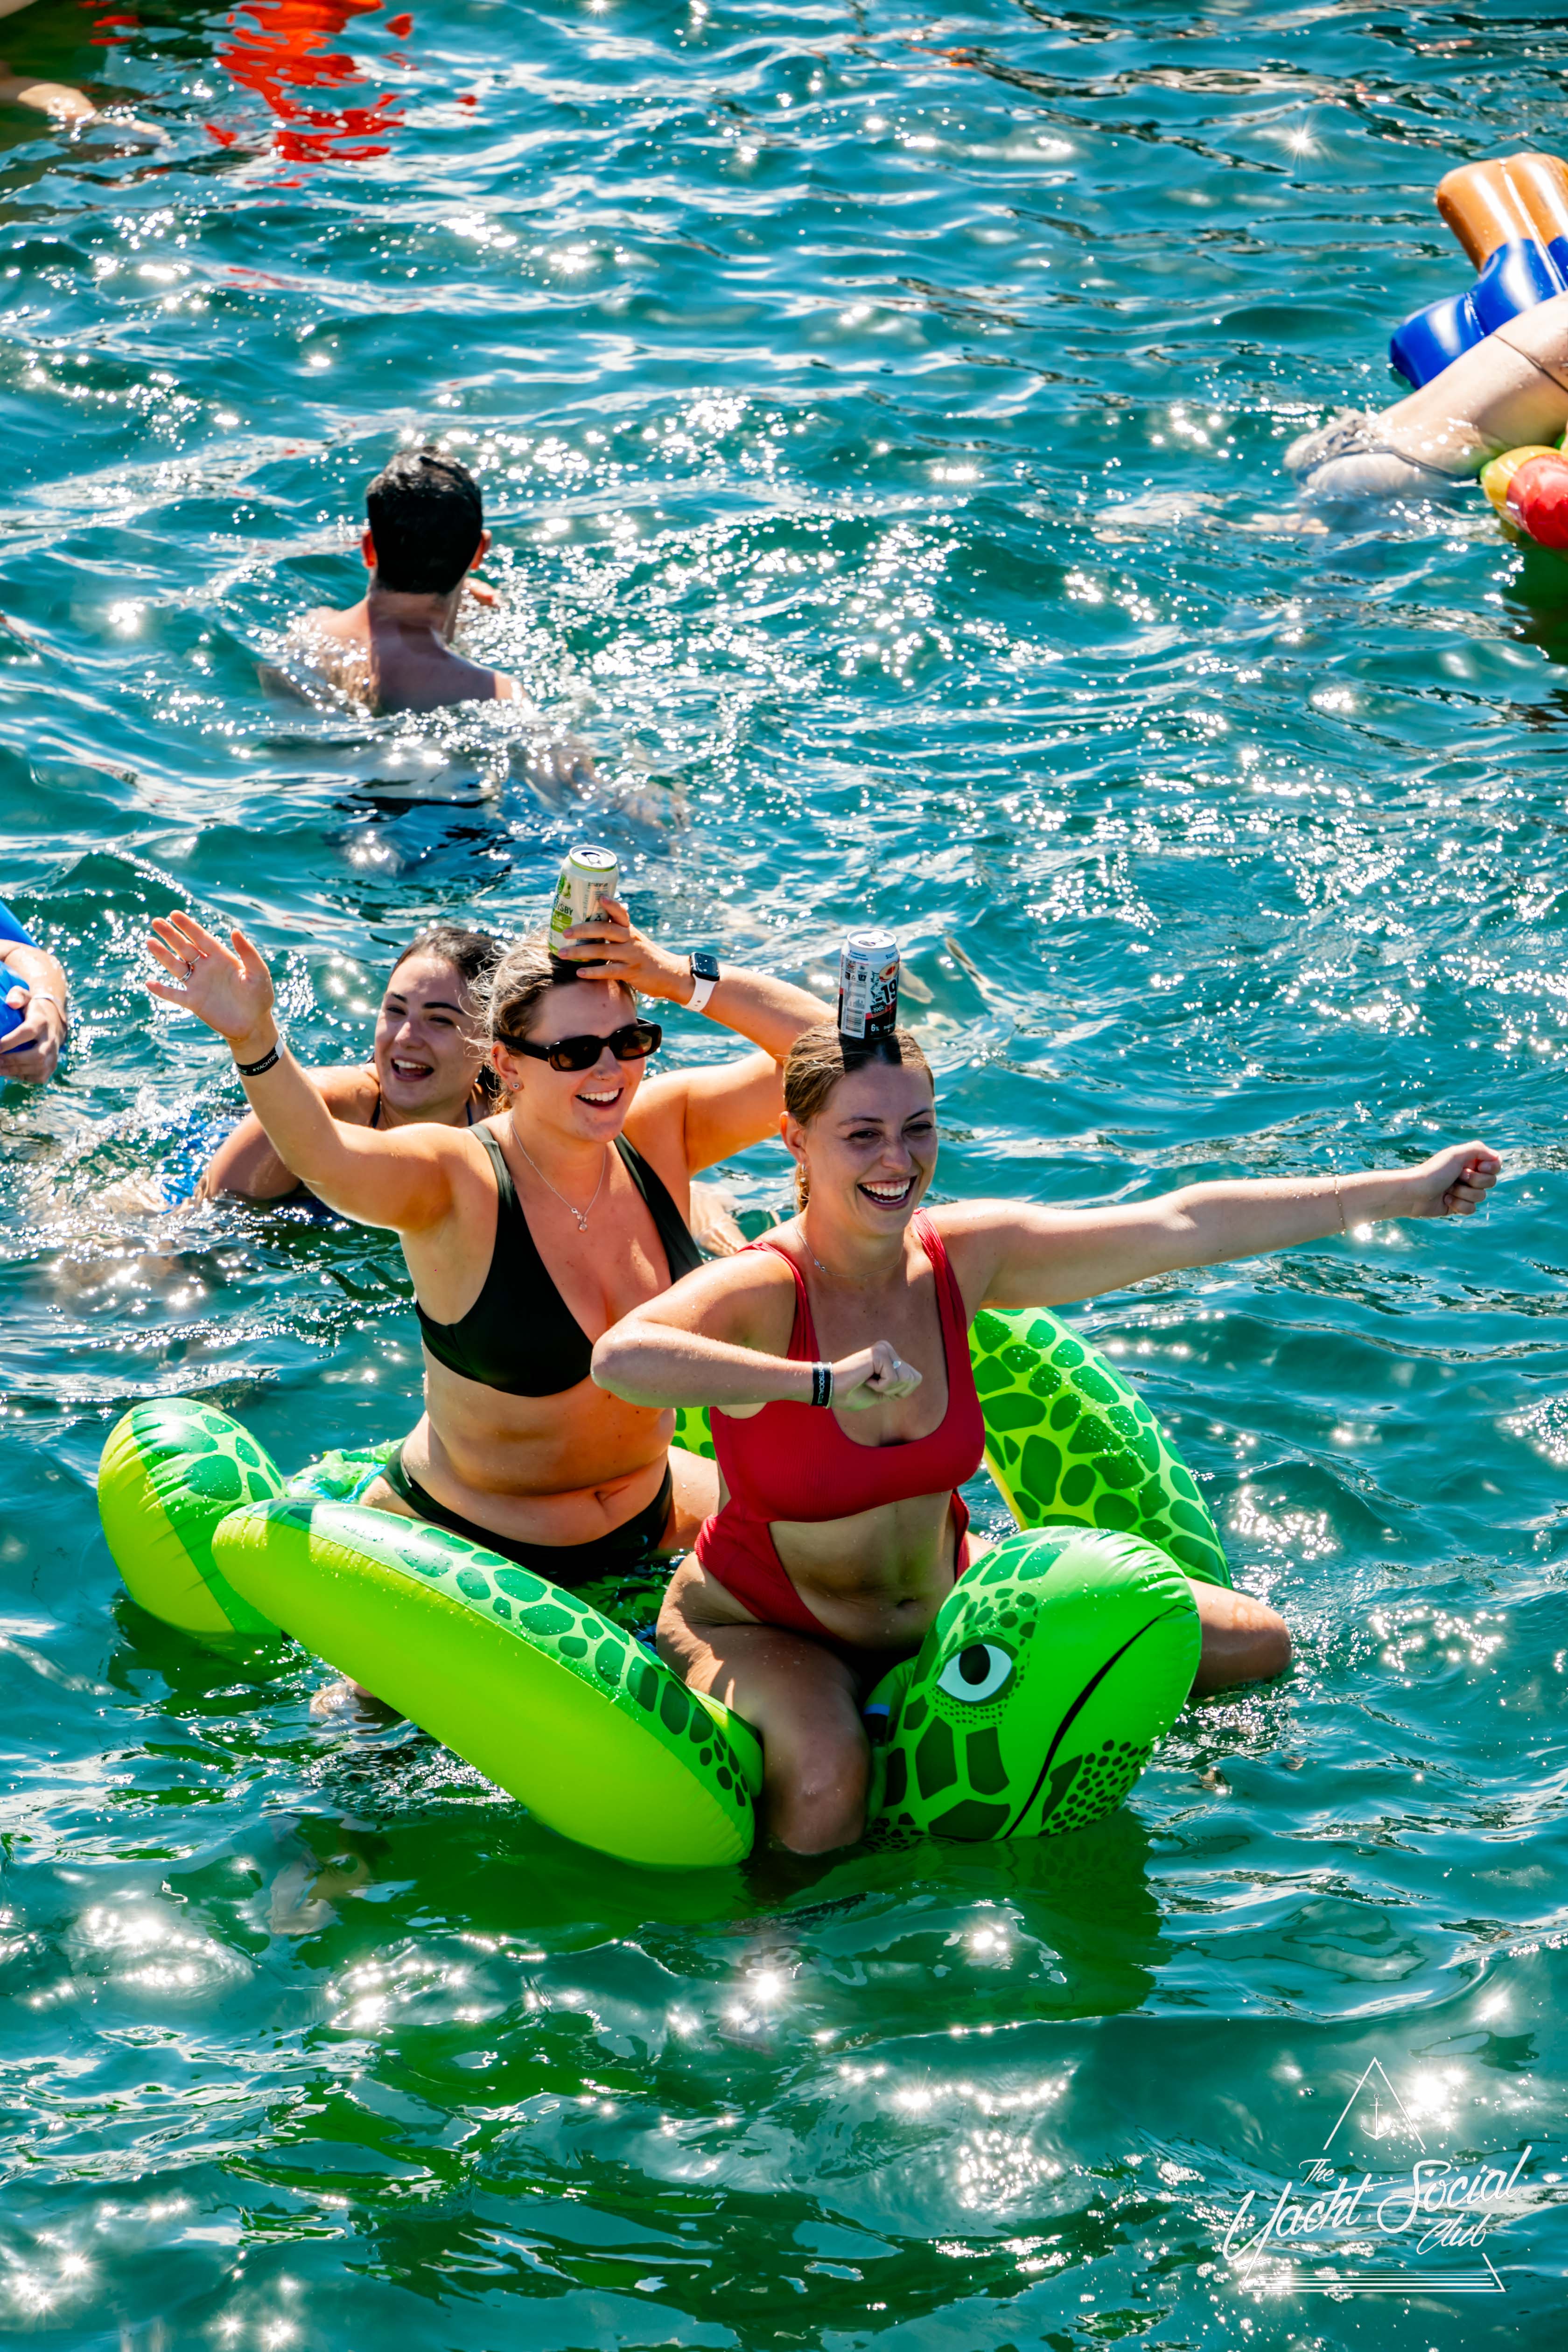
882	419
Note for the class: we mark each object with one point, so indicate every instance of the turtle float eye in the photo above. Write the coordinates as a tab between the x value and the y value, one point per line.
976	1672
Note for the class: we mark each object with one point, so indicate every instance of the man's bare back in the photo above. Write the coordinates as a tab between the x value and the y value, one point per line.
391	651
393	648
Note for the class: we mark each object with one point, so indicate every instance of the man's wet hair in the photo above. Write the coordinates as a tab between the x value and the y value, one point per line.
426	518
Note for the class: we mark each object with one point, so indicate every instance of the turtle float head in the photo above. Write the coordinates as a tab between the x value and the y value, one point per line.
1039	1692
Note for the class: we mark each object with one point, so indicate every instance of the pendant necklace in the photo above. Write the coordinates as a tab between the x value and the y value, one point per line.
582	1215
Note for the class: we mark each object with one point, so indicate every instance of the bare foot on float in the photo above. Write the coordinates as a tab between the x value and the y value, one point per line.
350	1703
1244	1641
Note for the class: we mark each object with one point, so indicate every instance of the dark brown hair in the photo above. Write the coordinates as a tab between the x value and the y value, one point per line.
820	1058
473	956
427	520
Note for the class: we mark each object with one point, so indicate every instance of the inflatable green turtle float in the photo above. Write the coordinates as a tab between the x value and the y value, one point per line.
1032	1706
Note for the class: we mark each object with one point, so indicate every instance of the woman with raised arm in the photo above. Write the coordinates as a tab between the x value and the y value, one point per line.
530	1233
844	1414
430	1060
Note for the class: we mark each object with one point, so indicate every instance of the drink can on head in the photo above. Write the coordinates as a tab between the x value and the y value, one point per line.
588	877
869	986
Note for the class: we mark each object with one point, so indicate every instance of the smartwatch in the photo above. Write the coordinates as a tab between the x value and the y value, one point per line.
704	979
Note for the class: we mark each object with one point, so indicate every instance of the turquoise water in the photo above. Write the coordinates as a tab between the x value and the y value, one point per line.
881	416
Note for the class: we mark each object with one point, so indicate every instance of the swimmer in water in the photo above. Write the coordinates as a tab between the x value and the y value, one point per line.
424	534
841	1530
1511	389
430	1061
66	107
532	1233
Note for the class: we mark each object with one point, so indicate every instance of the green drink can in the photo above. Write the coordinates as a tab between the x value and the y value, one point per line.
589	877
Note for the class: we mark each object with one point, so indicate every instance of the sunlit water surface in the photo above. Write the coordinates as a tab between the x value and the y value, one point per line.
881	416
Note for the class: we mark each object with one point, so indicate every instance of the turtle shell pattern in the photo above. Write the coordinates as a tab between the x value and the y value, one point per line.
170	1471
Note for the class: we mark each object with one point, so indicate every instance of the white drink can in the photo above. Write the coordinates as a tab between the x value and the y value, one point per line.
588	877
868	985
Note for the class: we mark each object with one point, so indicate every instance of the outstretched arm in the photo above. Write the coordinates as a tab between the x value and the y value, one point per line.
401	1179
1013	1256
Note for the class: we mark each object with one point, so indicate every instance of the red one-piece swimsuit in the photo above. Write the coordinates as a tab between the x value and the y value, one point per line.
793	1462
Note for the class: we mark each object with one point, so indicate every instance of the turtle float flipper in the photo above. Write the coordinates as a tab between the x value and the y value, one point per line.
1067	1438
170	1472
1035	1698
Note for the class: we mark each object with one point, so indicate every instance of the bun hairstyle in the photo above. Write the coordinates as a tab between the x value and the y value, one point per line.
474	956
820	1058
520	985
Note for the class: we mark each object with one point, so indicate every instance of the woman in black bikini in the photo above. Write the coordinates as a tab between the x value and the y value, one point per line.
430	1061
528	1236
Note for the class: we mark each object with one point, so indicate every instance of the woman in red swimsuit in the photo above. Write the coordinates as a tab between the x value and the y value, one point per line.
846	1418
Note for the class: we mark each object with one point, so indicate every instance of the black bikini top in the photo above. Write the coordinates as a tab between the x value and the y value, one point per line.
520	1336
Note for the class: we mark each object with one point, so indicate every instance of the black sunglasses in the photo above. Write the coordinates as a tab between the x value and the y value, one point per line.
634	1043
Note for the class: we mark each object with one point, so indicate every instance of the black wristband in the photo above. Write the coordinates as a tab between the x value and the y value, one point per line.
821	1384
267	1062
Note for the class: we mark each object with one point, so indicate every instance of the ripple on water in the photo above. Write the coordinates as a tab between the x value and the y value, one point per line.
882	420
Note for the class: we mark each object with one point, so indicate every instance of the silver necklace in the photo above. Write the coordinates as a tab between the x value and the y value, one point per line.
582	1215
846	1279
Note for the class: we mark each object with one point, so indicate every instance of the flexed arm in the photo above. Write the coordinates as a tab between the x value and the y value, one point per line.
723	1108
1016	1257
771	1012
708	1341
401	1178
